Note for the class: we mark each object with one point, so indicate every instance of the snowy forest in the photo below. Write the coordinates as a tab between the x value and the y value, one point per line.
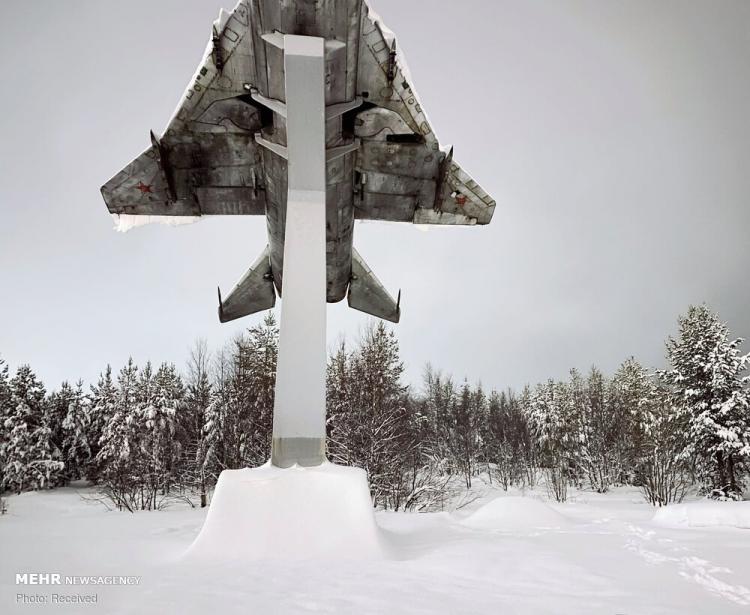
147	436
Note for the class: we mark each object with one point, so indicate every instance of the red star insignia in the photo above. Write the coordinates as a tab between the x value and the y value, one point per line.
144	188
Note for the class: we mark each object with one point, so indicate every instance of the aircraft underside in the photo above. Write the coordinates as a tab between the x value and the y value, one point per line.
224	150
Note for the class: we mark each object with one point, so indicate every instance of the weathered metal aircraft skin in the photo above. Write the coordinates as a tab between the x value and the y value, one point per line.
223	152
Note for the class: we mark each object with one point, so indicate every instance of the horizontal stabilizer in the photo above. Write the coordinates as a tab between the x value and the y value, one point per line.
368	295
254	292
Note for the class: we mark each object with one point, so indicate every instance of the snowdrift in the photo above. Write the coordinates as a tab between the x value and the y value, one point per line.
705	514
298	513
515	513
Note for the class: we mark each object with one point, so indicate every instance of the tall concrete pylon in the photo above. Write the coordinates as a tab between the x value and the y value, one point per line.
299	410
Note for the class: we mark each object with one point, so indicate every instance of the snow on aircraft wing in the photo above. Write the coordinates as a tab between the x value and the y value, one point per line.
402	173
207	161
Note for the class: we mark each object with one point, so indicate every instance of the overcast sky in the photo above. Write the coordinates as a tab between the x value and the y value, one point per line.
614	136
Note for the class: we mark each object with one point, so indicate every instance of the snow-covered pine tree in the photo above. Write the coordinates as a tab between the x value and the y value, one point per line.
76	451
652	437
555	427
663	471
160	442
597	428
550	413
117	459
145	466
634	395
465	443
100	410
5	392
479	412
5	407
506	441
438	401
56	409
46	466
258	367
239	419
340	420
373	430
492	432
158	397
198	395
415	480
709	387
218	432
520	439
533	462
574	402
30	457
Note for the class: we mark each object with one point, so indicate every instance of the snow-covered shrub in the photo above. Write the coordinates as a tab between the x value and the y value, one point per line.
556	480
663	477
374	425
507	448
725	494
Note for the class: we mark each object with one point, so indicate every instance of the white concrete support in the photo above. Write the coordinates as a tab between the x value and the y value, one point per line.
299	411
264	514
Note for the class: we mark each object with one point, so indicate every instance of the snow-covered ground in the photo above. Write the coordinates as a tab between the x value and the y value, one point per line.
501	554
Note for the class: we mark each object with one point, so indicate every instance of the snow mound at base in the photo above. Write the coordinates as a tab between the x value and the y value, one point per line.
705	514
289	514
515	513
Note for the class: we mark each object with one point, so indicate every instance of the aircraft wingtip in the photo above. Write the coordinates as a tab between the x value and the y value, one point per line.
221	305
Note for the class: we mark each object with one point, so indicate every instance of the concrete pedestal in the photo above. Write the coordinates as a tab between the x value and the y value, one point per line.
321	512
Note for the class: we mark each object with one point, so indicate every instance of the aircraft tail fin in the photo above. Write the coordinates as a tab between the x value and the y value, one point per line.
368	295
254	292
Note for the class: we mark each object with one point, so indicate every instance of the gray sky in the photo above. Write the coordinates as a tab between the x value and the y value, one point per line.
614	136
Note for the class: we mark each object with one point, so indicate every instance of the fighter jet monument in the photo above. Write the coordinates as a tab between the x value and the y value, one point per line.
302	111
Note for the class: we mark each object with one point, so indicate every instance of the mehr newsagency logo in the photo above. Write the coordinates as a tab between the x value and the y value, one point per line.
54	578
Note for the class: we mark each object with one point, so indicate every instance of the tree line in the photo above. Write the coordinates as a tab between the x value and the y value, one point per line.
148	435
